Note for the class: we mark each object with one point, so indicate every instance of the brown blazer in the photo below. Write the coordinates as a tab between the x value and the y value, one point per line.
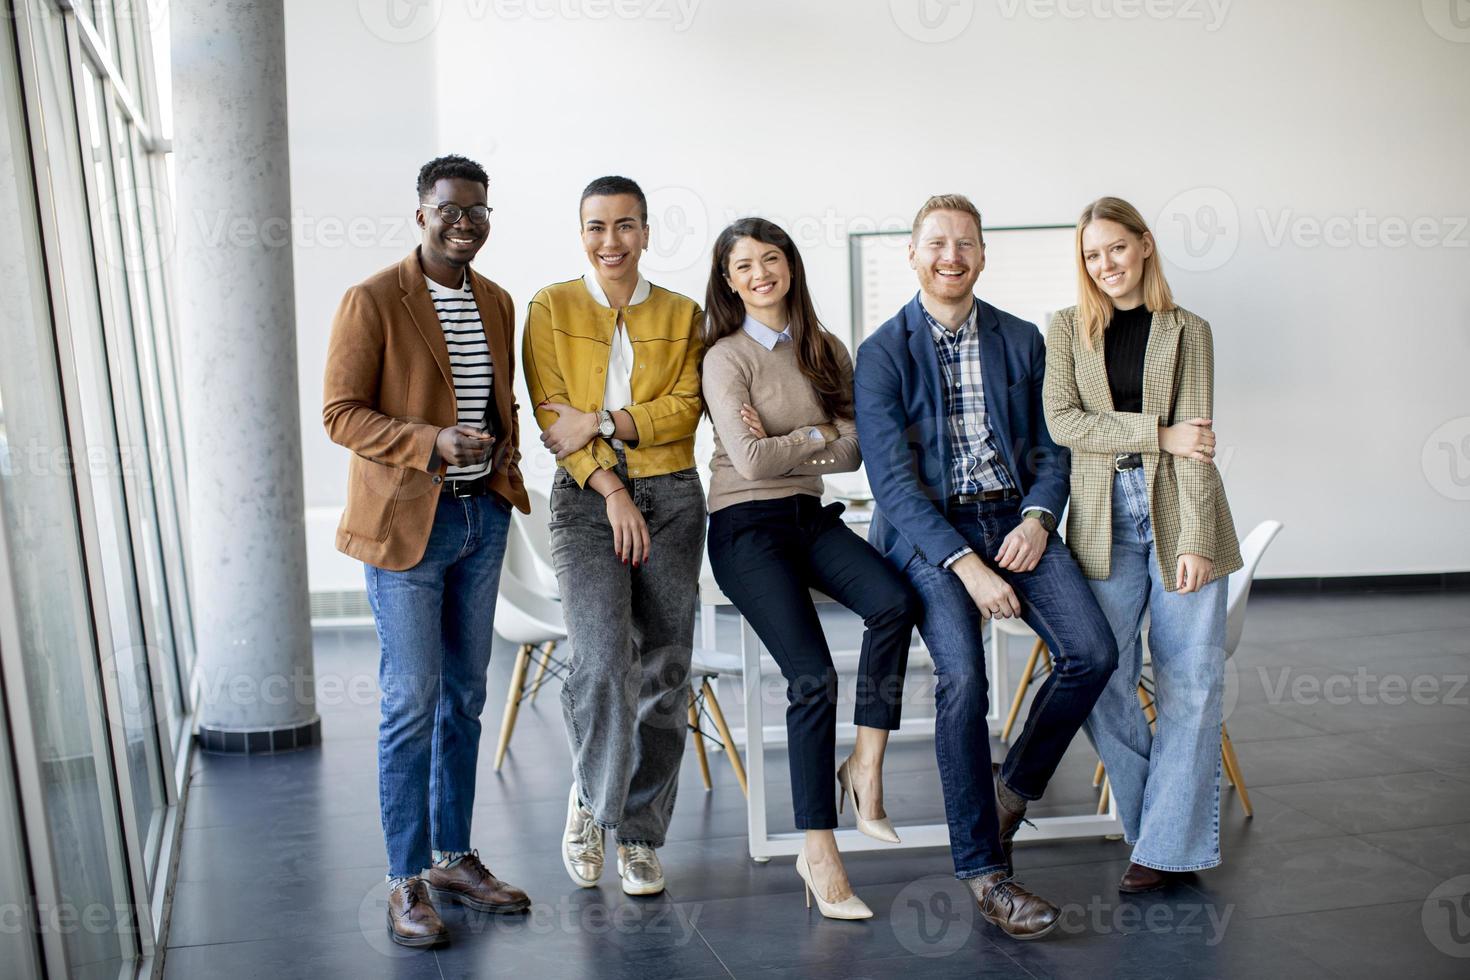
388	393
1187	503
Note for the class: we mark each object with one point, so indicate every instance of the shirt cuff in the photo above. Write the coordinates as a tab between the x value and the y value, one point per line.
956	556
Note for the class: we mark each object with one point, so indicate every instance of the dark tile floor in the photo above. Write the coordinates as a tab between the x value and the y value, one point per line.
1351	717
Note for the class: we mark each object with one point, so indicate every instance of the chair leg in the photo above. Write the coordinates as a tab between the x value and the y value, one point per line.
698	737
1097	775
1147	703
546	649
713	704
1021	688
512	702
1232	764
1103	797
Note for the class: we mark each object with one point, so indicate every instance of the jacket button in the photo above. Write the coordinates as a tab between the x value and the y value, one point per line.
599	370
438	480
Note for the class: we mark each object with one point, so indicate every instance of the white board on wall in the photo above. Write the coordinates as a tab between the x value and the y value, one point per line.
1029	272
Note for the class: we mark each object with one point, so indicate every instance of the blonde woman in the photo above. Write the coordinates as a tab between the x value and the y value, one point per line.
1130	390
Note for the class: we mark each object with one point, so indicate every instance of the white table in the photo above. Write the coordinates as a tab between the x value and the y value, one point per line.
765	845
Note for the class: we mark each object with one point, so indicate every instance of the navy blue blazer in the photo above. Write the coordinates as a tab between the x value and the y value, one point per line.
905	438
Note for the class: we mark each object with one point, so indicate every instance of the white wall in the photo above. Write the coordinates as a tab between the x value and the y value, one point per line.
1335	363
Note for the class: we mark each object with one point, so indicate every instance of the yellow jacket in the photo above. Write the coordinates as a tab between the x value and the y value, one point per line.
565	353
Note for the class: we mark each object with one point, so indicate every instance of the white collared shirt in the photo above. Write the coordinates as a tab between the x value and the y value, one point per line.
618	391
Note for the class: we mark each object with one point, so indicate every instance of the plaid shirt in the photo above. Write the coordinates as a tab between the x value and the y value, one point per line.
976	461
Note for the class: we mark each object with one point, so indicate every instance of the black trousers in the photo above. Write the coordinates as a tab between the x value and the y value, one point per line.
766	554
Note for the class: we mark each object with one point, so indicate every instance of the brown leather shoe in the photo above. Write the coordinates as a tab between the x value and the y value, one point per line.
1010	822
1017	912
412	920
472	885
1140	879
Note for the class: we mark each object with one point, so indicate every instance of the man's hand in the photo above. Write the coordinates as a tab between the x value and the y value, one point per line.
464	445
571	431
1023	547
992	595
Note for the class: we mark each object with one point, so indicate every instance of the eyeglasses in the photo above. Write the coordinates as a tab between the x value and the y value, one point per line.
451	213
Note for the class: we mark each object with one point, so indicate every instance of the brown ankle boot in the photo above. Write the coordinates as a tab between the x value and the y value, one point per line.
471	884
1017	912
412	920
1010	820
1140	879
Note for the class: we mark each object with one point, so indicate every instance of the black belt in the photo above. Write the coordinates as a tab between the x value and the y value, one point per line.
478	487
1126	461
983	497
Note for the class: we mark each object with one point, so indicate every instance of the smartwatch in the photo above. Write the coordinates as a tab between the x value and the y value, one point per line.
1048	521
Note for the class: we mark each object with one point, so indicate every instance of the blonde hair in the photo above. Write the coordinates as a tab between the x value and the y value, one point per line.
948	202
1095	307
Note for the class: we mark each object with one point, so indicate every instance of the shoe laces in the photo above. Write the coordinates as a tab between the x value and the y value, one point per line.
1008	889
411	895
639	854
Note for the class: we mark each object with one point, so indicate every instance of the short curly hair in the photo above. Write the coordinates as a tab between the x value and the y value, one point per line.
451	167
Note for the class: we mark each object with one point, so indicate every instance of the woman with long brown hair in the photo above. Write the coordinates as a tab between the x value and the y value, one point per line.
1130	390
778	387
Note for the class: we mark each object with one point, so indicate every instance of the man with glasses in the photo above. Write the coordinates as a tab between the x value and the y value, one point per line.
419	386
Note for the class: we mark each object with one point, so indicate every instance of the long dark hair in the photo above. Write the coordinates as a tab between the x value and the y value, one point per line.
815	346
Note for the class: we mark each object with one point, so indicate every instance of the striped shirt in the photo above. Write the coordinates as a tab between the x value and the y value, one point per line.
469	360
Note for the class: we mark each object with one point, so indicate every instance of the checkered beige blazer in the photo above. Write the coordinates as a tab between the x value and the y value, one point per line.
1186	499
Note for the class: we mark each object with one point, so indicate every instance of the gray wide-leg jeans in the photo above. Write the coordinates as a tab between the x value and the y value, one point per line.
631	632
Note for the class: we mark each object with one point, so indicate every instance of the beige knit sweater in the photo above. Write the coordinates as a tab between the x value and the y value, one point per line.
737	369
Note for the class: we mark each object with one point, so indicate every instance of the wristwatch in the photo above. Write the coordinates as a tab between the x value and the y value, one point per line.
1048	521
605	425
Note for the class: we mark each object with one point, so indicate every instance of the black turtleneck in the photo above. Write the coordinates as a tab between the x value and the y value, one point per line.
1123	345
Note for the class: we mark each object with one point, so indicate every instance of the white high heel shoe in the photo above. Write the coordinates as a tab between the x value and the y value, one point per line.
851	907
879	829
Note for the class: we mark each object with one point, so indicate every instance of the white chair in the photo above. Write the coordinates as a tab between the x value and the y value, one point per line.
527	614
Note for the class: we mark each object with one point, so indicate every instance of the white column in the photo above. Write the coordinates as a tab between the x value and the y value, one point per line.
238	341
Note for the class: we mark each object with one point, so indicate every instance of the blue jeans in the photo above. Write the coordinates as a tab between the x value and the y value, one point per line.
1167	783
1057	604
435	626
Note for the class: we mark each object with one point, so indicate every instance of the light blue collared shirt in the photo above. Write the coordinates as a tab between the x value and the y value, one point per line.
764	335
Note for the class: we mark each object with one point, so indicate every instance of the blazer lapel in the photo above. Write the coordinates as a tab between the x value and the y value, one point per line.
926	360
497	334
420	307
1092	373
1158	365
993	376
